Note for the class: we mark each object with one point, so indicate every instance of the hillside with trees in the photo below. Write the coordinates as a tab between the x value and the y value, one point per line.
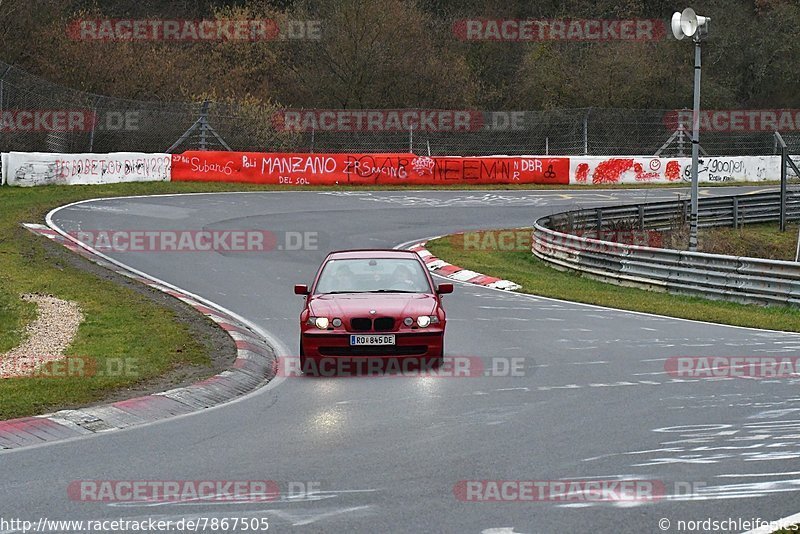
395	54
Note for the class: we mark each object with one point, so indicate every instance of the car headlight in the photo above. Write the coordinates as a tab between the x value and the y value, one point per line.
408	321
336	322
321	323
424	321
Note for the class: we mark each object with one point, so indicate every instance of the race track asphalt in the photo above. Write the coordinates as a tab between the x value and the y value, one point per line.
385	453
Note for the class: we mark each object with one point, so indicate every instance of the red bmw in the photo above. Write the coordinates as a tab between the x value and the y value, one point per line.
371	304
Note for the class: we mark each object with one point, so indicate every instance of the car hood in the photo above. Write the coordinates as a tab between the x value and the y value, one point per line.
360	305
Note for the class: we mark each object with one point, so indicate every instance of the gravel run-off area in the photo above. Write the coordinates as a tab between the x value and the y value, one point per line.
46	338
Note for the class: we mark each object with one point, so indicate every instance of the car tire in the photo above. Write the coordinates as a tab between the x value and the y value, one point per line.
303	360
438	360
308	370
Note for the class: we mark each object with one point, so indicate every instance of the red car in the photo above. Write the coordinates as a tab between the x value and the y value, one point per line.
371	305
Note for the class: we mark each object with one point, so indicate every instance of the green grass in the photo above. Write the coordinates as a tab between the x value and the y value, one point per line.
14	315
756	240
538	278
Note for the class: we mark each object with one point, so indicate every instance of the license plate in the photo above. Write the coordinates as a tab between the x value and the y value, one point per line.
385	339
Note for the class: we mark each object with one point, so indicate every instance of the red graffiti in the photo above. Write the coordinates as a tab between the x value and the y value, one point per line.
582	173
610	171
338	169
642	175
673	171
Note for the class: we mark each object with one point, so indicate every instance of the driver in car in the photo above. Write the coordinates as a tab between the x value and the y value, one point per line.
343	279
403	279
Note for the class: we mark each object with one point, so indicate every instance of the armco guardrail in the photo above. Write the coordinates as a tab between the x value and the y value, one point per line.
740	279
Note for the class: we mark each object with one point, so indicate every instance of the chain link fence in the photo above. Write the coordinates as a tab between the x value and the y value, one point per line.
40	116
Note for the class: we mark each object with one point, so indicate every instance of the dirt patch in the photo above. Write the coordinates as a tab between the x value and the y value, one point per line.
46	338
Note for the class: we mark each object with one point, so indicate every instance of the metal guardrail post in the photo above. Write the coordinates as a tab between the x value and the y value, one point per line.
797	250
736	212
641	216
599	220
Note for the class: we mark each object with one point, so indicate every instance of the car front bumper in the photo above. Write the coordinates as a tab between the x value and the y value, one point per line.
419	343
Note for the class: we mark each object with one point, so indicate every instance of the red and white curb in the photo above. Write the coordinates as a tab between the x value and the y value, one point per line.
442	268
254	366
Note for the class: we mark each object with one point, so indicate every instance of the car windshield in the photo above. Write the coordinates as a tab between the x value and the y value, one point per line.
390	275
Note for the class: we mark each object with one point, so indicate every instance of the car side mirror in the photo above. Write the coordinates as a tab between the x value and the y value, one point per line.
444	288
300	289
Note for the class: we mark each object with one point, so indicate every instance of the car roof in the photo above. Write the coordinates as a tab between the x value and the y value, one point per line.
372	253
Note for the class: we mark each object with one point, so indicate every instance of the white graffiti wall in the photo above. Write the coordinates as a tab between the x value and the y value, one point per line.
41	168
646	169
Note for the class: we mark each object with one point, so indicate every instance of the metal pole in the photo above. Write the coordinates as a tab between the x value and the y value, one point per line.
203	124
586	132
783	189
411	140
2	126
2	94
695	147
94	125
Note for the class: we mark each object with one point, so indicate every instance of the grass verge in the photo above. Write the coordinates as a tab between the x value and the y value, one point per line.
755	240
538	278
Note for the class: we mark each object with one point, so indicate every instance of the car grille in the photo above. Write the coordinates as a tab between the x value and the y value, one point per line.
383	324
361	324
365	324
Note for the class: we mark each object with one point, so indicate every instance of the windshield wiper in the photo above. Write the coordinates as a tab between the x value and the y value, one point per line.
391	291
